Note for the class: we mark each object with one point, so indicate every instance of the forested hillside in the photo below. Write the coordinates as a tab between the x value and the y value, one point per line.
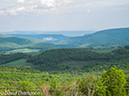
80	59
46	37
18	40
110	36
8	41
12	44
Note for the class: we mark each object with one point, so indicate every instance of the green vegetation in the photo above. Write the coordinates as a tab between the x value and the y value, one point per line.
23	50
18	44
49	60
34	53
21	62
48	71
42	46
54	37
77	65
86	60
127	46
24	79
11	44
66	72
5	58
68	60
101	46
18	40
110	37
102	50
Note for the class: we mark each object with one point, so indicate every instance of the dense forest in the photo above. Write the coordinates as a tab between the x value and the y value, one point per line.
55	59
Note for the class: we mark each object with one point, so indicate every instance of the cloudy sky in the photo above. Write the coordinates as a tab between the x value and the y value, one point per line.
59	15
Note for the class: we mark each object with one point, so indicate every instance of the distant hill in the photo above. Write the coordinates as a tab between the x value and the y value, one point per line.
46	37
110	36
65	33
8	41
72	40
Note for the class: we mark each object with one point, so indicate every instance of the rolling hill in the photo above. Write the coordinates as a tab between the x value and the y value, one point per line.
79	59
9	42
46	37
20	44
110	36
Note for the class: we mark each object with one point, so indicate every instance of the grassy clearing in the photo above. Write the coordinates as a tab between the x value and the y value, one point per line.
24	50
102	50
79	64
21	62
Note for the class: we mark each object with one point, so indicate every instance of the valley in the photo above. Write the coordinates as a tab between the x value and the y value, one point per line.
63	65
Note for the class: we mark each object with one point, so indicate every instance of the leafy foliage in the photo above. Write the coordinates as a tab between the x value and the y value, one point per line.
25	79
58	60
115	80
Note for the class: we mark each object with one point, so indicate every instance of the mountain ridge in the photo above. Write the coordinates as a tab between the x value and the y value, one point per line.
111	36
15	42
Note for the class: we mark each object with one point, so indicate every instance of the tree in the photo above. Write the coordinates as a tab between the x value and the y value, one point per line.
114	80
28	88
92	86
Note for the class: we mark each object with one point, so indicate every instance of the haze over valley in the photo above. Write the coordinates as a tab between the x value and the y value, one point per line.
64	47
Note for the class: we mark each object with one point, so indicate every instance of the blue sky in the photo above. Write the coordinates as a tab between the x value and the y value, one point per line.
59	15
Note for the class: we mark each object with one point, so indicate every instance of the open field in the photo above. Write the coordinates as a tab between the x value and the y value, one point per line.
24	50
102	50
21	62
80	64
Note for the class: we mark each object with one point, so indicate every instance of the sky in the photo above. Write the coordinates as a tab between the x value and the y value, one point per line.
63	15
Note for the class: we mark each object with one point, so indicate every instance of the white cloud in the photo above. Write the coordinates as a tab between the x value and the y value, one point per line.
12	12
1	12
20	1
103	3
35	7
52	6
88	11
21	8
48	3
49	39
54	3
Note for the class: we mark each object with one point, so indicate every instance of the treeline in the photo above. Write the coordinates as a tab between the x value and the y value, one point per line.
51	59
118	57
127	46
19	79
5	58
